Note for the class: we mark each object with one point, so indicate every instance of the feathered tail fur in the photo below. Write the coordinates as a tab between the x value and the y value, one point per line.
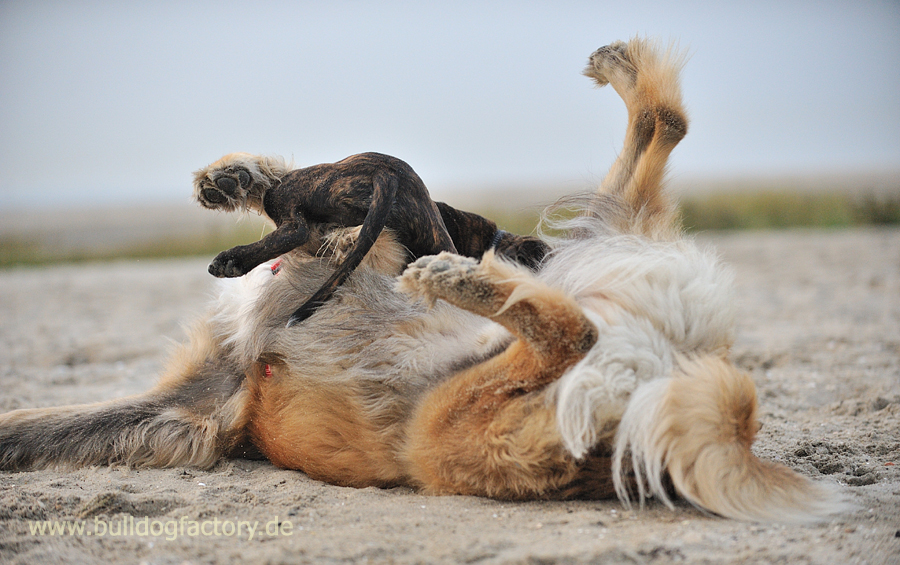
696	428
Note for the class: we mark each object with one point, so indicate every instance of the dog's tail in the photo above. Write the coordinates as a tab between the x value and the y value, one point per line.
696	428
193	417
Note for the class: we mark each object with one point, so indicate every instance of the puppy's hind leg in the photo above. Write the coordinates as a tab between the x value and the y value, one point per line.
384	191
489	430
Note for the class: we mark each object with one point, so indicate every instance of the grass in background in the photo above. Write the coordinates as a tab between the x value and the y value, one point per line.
785	209
762	209
17	251
769	209
523	222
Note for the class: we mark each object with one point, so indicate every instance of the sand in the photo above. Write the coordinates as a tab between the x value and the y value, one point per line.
819	331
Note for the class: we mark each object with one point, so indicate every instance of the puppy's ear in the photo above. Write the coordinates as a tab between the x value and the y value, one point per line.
525	250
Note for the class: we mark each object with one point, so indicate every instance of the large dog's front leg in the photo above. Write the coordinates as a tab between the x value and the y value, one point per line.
489	429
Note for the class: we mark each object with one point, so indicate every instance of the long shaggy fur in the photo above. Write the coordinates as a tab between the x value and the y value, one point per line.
606	373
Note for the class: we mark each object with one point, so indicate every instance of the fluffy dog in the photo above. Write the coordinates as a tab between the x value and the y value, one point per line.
370	190
606	373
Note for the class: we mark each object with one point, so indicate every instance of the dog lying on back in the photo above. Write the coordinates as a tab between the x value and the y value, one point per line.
604	373
369	190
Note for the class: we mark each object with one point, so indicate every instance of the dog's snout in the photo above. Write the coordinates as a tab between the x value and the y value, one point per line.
227	185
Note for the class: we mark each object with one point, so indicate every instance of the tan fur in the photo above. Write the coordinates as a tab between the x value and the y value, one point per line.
485	430
647	80
708	424
345	449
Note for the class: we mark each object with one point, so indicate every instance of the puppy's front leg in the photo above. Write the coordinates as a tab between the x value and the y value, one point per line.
240	260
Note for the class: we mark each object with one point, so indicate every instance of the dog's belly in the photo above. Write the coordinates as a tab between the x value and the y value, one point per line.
338	394
341	389
323	430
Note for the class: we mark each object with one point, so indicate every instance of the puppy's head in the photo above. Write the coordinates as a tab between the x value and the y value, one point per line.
237	181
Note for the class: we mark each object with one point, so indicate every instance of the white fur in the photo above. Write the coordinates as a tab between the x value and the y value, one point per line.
650	300
635	435
235	302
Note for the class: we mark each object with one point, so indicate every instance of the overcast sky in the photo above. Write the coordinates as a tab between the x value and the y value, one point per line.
120	101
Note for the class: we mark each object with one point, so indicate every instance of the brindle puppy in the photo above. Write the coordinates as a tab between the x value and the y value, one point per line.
370	190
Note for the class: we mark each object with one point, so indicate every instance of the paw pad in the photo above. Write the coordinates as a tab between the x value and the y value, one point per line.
227	185
428	275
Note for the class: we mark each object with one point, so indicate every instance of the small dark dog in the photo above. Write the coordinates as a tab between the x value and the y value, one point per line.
369	190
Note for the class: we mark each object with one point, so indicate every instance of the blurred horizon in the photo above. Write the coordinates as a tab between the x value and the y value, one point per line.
116	103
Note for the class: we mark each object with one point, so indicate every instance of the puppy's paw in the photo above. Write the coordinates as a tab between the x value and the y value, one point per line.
227	265
610	64
237	181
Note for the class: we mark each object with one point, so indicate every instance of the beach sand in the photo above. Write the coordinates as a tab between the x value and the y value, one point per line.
819	330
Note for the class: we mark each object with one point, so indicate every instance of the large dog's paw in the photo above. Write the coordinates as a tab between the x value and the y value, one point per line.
481	287
441	276
336	244
386	255
228	265
610	64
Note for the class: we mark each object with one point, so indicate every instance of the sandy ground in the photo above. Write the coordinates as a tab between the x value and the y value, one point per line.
820	331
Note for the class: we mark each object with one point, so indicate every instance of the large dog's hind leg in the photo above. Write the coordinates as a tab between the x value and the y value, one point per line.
489	430
193	417
647	80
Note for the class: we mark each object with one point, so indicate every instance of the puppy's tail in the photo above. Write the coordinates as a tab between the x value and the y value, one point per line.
384	191
697	428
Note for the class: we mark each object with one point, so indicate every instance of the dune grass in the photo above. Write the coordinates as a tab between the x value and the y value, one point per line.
760	209
736	210
31	250
771	209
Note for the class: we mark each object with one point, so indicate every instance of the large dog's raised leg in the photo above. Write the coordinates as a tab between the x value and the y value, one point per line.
647	81
489	430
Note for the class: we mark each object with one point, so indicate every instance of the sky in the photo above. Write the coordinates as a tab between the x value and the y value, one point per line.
119	101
